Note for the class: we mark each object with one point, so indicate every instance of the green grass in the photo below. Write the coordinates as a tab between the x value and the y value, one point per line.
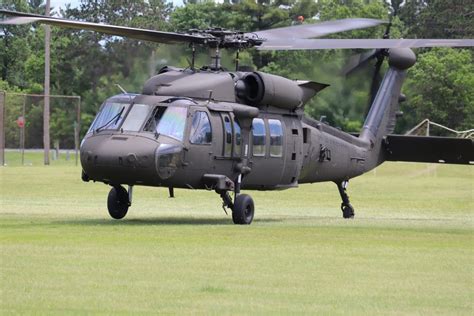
36	158
408	251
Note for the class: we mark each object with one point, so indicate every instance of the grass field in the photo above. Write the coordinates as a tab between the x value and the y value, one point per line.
408	251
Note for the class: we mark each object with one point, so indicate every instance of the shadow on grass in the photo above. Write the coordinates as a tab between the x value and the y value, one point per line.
158	221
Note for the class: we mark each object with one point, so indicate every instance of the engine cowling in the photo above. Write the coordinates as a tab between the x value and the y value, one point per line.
262	89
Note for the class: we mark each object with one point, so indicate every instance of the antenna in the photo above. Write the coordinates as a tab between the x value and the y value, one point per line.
194	56
210	97
237	60
124	92
215	59
121	89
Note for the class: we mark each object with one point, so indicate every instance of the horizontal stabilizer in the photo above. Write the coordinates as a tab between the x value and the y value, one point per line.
316	86
429	149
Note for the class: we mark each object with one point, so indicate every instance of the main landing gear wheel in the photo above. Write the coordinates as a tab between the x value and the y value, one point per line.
243	210
118	202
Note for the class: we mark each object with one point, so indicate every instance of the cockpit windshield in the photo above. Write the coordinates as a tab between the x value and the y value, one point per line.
136	117
169	121
172	123
164	119
110	116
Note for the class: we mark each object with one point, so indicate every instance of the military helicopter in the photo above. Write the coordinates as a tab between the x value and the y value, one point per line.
213	129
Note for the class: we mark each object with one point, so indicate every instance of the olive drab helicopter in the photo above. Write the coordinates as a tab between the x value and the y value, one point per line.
209	128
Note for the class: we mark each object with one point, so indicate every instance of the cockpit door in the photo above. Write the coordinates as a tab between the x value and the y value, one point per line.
199	143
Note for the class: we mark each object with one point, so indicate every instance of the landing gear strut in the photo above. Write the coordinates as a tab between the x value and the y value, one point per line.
119	201
346	207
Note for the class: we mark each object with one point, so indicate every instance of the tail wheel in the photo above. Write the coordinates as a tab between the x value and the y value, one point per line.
243	210
118	202
347	211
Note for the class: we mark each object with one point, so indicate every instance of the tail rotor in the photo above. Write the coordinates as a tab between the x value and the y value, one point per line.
360	61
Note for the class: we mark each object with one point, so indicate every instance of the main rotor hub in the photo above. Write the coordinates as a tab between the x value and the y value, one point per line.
223	38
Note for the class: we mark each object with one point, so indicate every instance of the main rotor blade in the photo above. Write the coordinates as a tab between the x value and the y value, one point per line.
310	44
317	29
136	33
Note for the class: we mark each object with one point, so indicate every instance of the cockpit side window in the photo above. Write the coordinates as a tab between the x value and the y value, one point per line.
227	135
201	131
237	139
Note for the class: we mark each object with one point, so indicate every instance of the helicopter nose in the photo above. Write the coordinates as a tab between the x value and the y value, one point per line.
119	159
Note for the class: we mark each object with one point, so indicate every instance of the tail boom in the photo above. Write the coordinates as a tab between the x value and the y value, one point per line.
382	114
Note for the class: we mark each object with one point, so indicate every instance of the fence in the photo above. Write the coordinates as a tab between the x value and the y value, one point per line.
21	123
424	128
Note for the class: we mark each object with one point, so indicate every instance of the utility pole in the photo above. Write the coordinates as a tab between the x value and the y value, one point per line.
47	41
2	128
151	63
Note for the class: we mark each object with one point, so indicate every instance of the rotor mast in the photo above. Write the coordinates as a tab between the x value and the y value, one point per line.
215	59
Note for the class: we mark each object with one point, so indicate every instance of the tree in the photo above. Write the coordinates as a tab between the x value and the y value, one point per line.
345	102
438	18
440	87
14	47
90	64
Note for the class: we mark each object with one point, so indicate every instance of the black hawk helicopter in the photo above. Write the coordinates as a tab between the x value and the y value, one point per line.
221	130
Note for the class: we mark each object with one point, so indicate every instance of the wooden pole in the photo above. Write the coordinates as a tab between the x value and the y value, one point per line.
22	132
77	130
46	110
2	127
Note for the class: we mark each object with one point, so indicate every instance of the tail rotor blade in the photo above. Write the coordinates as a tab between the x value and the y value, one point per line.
358	61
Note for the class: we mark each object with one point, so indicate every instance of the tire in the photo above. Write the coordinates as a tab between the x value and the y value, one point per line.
117	202
243	211
347	211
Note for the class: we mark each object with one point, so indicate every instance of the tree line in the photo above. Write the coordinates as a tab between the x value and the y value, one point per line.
439	87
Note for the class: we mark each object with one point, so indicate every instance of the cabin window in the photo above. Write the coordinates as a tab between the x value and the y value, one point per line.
276	138
136	117
305	135
201	132
238	139
258	137
227	136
